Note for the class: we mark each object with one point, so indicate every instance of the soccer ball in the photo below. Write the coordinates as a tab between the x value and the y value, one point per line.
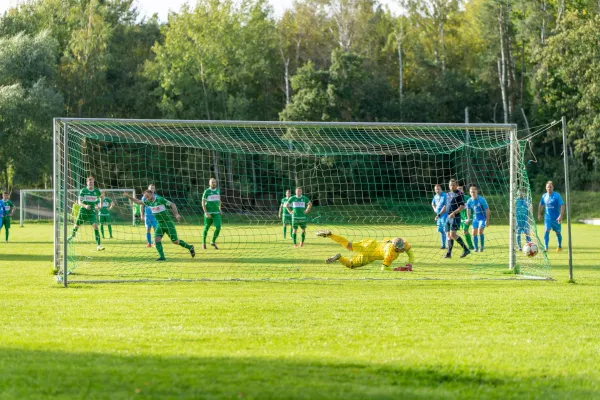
530	249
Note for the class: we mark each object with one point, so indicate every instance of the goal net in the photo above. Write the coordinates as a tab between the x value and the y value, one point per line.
368	183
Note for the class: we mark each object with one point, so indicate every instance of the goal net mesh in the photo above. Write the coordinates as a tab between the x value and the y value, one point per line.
365	182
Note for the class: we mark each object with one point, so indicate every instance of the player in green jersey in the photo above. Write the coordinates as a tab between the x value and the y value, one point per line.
283	212
158	205
211	205
9	210
89	198
464	222
106	205
298	206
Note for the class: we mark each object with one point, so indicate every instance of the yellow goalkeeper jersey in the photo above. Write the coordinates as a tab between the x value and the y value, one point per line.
379	250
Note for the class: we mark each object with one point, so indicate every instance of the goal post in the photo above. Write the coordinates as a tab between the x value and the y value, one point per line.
368	182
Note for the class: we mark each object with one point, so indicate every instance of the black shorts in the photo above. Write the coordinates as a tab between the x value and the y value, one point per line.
453	224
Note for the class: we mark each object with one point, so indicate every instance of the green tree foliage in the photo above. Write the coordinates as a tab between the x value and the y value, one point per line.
526	62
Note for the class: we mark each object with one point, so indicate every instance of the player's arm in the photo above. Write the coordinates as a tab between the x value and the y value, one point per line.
280	210
136	201
562	212
308	208
468	215
540	209
206	214
142	212
12	210
433	206
287	206
112	204
174	210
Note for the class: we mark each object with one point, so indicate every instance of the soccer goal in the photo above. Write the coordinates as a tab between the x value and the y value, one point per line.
37	205
367	182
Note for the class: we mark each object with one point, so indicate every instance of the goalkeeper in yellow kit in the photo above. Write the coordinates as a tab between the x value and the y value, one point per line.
369	250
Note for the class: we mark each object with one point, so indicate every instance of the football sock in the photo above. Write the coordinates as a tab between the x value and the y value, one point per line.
443	239
74	231
204	234
6	233
546	238
184	244
339	240
159	248
284	230
468	239
345	261
216	235
482	240
149	238
450	246
462	243
559	237
476	242
102	230
110	230
303	236
528	238
97	235
519	241
294	237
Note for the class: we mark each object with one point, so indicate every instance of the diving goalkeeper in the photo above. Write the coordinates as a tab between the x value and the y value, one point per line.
369	250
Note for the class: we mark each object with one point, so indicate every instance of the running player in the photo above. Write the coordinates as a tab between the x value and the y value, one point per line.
89	199
158	205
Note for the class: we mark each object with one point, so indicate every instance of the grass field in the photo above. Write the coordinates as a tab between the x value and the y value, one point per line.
298	339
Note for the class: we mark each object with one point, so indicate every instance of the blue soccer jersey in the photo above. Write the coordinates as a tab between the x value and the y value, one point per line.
522	210
478	207
3	213
439	201
552	204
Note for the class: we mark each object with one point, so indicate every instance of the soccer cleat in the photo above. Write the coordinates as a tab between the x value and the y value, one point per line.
148	245
406	268
465	253
161	259
100	247
476	250
448	255
204	246
323	233
69	239
295	246
111	237
443	248
333	258
481	250
192	251
558	249
520	249
302	244
214	245
545	249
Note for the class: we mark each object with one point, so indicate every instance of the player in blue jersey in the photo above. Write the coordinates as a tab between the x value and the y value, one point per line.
523	207
554	209
438	203
2	213
478	207
149	220
455	203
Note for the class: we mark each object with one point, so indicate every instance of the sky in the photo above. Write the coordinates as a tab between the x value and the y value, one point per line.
162	7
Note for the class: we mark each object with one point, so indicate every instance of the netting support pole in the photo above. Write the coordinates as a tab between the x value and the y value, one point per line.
21	212
133	211
513	148
567	197
55	224
65	216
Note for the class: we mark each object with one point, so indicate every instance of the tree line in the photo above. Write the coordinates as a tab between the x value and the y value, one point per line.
504	61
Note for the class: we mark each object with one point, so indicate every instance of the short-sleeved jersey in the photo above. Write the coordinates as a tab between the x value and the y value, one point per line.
90	197
522	209
454	200
104	207
8	207
478	207
158	208
380	250
284	202
439	201
298	204
2	209
147	211
552	203
213	200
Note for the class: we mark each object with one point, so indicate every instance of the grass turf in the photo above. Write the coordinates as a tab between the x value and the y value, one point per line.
315	339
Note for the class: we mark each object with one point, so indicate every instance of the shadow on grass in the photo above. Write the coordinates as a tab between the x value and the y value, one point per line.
26	257
37	374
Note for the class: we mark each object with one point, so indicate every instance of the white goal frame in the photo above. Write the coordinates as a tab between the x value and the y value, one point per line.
61	134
